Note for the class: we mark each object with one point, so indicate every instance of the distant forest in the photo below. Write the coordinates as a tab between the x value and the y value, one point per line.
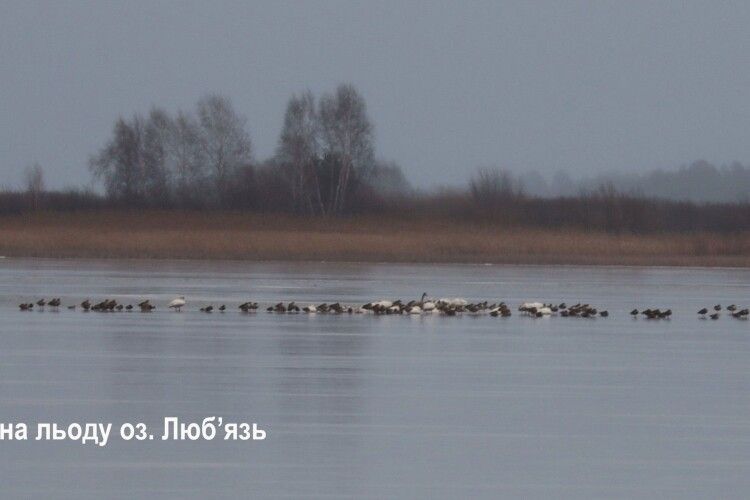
700	182
325	164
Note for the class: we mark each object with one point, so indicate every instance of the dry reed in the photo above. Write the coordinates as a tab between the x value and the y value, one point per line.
227	235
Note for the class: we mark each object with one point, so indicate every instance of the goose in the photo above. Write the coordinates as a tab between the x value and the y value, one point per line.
106	305
740	314
248	306
500	310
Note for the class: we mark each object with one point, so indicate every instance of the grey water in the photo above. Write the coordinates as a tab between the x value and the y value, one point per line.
378	407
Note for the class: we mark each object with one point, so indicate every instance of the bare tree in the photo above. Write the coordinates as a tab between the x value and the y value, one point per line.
226	143
34	180
347	136
490	187
119	164
132	164
298	151
187	160
156	136
388	179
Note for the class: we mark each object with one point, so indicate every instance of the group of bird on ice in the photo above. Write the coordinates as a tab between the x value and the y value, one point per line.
446	306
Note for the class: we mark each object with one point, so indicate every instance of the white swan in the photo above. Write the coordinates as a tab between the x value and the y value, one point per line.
535	305
456	302
177	303
426	305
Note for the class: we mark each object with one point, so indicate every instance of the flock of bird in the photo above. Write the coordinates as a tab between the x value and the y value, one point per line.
447	307
733	310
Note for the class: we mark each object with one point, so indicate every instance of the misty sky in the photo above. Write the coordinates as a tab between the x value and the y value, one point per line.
581	86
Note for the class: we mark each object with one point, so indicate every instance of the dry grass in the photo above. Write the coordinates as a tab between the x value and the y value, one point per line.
256	237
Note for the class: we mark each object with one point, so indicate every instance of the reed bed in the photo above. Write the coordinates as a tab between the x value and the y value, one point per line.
238	236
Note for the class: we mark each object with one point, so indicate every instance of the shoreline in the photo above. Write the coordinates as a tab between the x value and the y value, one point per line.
232	236
156	260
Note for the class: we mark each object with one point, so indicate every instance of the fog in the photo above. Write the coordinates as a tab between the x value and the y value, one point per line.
589	88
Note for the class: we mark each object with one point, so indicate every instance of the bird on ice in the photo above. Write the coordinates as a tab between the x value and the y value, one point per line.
177	303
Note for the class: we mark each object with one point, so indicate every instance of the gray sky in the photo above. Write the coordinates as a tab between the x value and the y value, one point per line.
582	86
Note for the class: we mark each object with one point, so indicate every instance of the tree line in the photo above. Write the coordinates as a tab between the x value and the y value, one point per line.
325	164
204	158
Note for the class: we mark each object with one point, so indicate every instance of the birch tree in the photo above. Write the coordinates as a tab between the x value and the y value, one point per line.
34	180
347	135
298	151
226	143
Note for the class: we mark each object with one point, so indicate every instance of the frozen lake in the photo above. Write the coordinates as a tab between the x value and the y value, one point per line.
383	407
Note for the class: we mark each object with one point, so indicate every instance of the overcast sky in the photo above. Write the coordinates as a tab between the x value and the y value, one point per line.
581	86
